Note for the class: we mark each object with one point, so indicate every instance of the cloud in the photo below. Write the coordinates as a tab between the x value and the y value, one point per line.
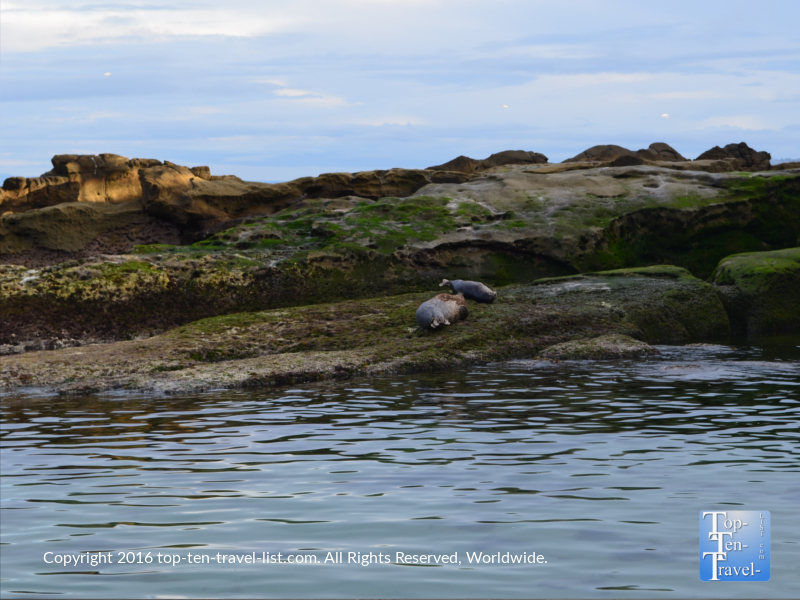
9	162
306	96
206	110
292	93
749	122
665	116
396	121
697	95
592	79
279	82
36	25
361	84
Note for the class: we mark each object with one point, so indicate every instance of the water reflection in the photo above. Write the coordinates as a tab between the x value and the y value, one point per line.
602	467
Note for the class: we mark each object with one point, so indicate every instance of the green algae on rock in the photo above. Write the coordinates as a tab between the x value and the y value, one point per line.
656	305
667	304
612	346
290	245
761	291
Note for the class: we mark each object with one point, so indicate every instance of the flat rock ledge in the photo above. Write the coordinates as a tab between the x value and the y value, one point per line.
660	305
599	348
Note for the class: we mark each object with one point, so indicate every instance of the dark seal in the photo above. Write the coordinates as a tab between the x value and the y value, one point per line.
442	309
471	290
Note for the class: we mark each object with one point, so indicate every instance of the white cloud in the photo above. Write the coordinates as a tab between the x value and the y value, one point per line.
381	121
741	122
665	116
698	95
325	101
205	110
36	25
555	51
308	97
292	93
10	162
278	82
591	79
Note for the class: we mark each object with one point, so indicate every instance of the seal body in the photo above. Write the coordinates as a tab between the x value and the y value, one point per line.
441	310
471	290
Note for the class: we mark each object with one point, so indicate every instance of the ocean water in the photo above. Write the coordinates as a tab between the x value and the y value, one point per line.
592	473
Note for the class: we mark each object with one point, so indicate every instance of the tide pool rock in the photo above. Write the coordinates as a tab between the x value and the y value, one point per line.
443	309
761	291
471	290
603	347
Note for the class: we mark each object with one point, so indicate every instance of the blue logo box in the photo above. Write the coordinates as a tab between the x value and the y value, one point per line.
734	545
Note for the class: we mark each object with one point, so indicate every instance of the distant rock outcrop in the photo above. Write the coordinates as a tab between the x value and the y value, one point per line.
628	160
464	164
746	158
786	166
660	151
657	152
602	153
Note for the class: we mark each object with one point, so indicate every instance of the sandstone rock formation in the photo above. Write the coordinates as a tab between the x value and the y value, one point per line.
192	198
174	194
628	160
601	153
744	157
73	178
657	152
660	151
464	164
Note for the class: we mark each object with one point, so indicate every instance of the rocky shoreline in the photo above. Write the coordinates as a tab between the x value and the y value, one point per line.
135	274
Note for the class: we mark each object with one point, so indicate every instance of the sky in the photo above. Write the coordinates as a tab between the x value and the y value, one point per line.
274	90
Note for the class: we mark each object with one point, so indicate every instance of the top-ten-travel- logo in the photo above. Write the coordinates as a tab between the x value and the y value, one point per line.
734	545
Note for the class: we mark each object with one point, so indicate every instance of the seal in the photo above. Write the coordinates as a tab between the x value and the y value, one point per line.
442	309
471	290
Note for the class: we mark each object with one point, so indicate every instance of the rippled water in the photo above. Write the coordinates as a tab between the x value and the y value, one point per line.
602	468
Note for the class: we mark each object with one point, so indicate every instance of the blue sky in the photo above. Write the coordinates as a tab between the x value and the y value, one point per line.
273	90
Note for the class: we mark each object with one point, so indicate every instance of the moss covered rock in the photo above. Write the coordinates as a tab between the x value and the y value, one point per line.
602	347
761	291
666	303
380	335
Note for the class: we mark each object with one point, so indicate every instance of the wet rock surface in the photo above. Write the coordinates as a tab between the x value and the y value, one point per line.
761	291
77	230
613	346
511	225
106	272
654	305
